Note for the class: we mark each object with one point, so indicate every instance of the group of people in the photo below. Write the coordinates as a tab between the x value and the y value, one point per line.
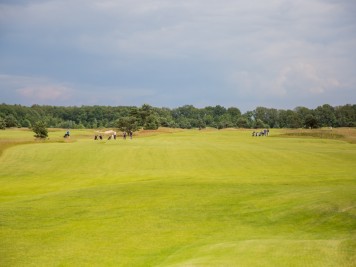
97	137
264	132
129	133
113	136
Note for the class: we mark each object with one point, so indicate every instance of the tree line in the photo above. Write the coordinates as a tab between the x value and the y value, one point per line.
186	117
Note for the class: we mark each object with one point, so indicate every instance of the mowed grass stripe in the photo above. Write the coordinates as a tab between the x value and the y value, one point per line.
165	213
190	198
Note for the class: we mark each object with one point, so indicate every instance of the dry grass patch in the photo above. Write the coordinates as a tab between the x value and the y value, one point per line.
342	134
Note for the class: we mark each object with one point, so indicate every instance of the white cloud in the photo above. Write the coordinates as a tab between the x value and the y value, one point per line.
38	90
35	89
304	78
45	93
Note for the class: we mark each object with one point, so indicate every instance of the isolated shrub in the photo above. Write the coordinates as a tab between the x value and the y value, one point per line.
40	130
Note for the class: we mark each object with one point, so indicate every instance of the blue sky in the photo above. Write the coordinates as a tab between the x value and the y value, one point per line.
168	53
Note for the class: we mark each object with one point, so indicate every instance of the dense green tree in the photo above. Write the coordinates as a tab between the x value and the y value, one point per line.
94	124
126	124
293	120
260	124
188	111
272	118
225	121
325	115
184	123
186	116
218	111
303	113
11	121
243	122
345	116
151	122
289	119
201	124
144	113
165	117
269	116
26	123
234	112
249	116
208	120
40	130
2	124
310	121
260	113
67	125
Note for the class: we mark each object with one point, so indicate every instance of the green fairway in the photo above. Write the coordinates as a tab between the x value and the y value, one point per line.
177	198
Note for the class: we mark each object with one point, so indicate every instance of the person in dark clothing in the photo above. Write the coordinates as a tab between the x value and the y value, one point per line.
67	134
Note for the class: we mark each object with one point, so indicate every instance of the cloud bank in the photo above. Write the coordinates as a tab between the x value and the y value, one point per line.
169	53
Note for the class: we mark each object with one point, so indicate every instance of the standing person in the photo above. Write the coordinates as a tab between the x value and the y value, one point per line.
124	135
114	135
66	134
130	133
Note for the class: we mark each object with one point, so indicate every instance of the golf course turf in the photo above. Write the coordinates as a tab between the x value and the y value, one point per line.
177	198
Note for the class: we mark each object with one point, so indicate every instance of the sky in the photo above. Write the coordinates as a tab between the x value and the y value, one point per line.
170	53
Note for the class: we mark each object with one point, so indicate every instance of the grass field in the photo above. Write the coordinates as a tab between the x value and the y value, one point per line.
178	198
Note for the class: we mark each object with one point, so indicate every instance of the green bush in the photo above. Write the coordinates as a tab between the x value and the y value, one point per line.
40	130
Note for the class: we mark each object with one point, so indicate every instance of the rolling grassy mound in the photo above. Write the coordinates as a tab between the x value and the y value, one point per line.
343	134
177	198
